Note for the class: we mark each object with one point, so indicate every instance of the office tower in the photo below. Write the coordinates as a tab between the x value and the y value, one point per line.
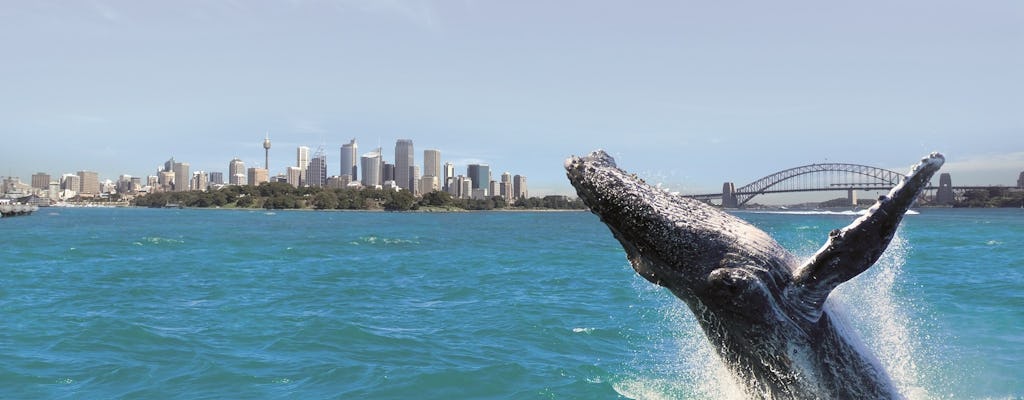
266	152
349	157
136	183
166	180
236	172
492	189
216	178
388	172
480	174
1020	181
152	181
169	165
90	183
414	179
505	189
449	174
71	182
258	176
405	157
432	163
200	181
519	187
124	184
370	165
316	174
294	176
54	191
41	180
181	177
302	159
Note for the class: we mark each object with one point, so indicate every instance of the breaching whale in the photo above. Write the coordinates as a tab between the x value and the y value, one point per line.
764	311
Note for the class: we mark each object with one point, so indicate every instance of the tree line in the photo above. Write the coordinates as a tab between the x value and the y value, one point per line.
280	195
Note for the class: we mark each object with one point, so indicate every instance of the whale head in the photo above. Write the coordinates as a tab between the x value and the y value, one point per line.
680	243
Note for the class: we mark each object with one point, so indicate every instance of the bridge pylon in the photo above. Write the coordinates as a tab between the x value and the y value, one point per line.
729	195
944	195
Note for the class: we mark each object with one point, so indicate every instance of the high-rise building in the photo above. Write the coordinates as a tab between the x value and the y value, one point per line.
165	180
370	165
519	187
257	176
316	174
480	174
349	157
387	172
492	189
41	180
414	180
200	181
181	177
236	172
216	178
169	165
432	163
1020	181
71	182
449	174
505	189
294	176
302	158
405	157
90	183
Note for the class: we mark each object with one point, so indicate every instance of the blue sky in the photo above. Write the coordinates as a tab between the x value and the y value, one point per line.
689	94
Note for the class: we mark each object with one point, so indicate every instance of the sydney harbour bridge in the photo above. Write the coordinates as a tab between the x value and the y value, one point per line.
828	177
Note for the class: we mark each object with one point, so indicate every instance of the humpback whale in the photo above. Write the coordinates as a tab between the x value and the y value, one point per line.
764	311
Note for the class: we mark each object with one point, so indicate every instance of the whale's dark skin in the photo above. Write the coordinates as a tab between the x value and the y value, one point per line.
764	311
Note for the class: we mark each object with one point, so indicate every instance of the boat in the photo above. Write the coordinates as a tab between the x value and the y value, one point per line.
8	209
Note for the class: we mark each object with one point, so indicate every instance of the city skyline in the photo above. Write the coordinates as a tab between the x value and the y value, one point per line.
688	95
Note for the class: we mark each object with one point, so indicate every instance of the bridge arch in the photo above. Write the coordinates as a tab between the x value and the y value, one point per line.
820	177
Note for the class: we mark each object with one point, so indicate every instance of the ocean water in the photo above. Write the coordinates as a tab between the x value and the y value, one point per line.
196	304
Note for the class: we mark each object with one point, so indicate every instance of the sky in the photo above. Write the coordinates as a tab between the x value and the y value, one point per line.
687	94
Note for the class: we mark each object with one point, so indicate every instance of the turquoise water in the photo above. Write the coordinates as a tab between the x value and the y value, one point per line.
192	304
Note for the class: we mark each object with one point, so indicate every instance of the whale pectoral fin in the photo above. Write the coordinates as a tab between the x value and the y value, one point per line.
853	249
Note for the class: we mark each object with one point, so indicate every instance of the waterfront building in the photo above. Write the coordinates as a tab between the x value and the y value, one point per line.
370	165
181	177
71	182
41	180
294	176
54	191
216	178
316	174
405	157
480	174
236	172
478	194
90	183
349	157
257	176
519	187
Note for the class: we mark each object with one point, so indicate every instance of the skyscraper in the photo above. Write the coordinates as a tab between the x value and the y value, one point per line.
258	176
449	174
370	165
181	177
432	163
505	189
349	157
71	182
41	180
405	157
236	172
294	176
216	178
414	179
480	174
316	174
519	187
90	183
